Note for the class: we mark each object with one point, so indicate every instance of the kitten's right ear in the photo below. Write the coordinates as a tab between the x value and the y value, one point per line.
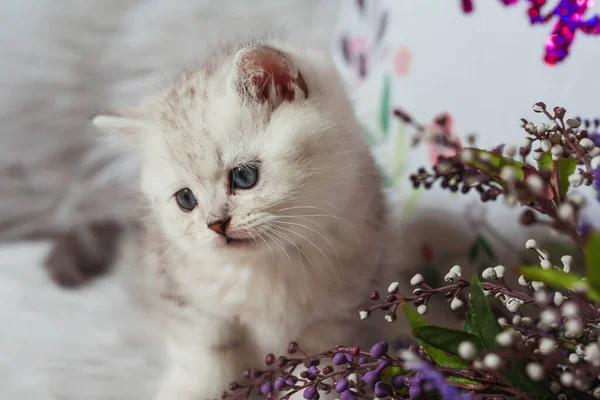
269	76
118	123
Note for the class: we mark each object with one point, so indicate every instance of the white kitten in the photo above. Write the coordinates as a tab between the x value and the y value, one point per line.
265	211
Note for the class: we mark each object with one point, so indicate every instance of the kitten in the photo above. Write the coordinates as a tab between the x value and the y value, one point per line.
265	213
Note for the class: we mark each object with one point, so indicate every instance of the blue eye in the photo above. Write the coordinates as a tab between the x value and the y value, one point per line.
185	199
244	177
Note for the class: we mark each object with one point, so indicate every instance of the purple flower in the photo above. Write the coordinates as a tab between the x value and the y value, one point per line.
428	379
280	384
339	359
266	388
597	179
398	381
310	393
342	385
379	349
383	390
584	228
372	377
347	395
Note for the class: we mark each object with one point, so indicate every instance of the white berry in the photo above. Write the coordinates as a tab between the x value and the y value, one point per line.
535	371
492	361
505	338
456	304
393	287
500	270
416	280
489	274
531	244
547	345
566	379
467	350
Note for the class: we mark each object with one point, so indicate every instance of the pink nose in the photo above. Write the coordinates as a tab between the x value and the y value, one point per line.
219	226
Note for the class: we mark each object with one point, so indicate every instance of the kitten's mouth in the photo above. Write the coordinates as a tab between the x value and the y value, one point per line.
237	242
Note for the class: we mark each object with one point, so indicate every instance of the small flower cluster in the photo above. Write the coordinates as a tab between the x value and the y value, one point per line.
354	374
540	341
560	149
561	344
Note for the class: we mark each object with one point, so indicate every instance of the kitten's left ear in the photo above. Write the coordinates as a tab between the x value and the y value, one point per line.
268	75
118	123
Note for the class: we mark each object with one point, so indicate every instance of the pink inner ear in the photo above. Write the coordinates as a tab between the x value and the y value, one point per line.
273	78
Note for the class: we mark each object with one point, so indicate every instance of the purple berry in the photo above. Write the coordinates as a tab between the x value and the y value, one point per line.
266	388
398	381
347	395
362	360
372	377
382	365
342	385
289	382
379	349
383	389
280	384
339	359
314	370
310	393
348	357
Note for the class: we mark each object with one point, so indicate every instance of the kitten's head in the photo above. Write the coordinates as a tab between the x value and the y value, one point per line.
246	150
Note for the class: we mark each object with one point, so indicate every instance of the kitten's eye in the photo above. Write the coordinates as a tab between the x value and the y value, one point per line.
244	177
186	199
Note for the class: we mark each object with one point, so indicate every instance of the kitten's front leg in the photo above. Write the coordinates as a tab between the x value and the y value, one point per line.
206	356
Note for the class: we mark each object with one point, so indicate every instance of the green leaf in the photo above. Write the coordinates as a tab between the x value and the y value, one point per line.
545	162
485	324
592	260
389	372
490	162
469	324
564	168
439	357
385	106
552	277
445	339
483	319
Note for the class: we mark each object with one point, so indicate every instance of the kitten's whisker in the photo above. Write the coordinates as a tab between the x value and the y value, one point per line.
300	252
286	237
317	247
282	248
272	253
324	216
324	237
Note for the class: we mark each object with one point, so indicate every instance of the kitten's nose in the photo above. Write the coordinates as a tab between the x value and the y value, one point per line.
219	226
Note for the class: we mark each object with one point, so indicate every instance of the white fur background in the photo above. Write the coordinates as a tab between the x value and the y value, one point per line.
59	64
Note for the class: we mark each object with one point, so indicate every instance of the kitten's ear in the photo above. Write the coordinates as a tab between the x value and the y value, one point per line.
119	124
267	75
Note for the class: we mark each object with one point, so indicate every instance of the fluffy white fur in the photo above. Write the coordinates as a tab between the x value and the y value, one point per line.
316	217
